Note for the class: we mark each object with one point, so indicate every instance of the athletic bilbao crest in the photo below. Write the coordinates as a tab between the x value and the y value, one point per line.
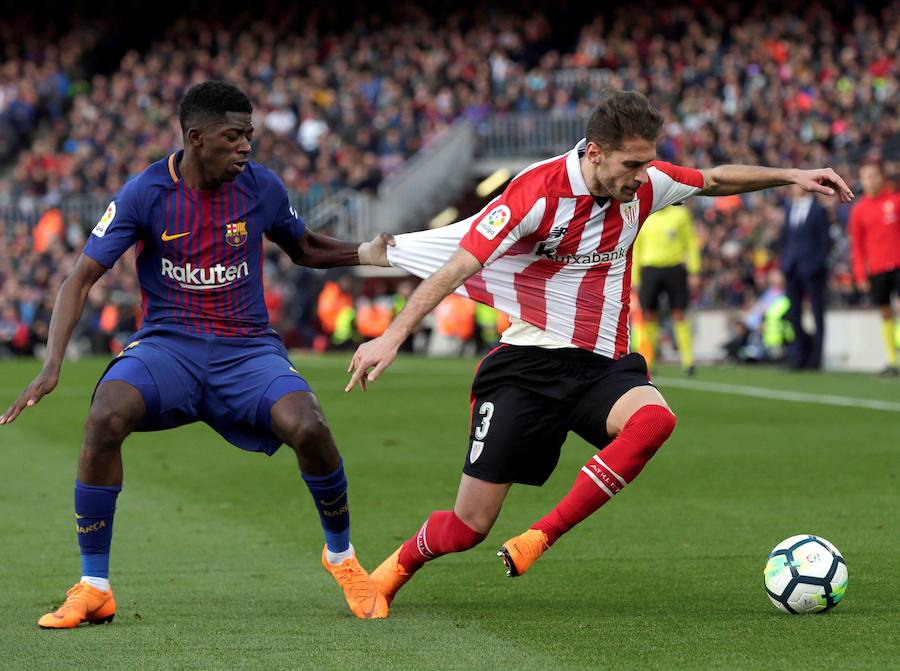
475	452
236	233
631	212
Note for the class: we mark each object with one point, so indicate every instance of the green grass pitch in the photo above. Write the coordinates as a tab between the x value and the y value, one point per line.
215	559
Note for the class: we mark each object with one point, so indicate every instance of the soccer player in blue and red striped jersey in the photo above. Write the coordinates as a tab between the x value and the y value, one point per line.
205	351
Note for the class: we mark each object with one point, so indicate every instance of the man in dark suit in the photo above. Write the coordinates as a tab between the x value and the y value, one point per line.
804	256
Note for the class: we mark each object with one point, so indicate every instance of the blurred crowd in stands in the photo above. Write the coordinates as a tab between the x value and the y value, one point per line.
344	108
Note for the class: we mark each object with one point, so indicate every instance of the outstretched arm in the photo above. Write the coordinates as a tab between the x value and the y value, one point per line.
381	351
66	312
726	180
320	251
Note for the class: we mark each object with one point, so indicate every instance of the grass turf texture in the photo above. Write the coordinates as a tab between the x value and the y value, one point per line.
215	557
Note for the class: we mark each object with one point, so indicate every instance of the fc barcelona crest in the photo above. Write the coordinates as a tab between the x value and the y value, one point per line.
236	233
631	212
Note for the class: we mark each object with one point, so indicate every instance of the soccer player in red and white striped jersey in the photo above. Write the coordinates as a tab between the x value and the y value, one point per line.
554	251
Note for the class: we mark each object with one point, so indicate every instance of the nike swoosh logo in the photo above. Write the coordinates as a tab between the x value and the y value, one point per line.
166	237
331	503
79	517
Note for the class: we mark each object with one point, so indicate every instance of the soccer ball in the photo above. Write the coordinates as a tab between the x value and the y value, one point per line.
805	574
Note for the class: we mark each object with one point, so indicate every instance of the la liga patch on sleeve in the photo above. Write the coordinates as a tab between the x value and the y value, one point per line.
494	222
105	220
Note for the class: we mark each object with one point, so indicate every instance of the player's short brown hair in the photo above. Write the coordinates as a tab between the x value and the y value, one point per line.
620	116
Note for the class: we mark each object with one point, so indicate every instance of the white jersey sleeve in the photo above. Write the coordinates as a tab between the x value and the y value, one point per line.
672	183
422	253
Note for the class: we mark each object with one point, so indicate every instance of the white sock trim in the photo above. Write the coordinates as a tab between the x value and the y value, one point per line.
597	481
336	558
98	583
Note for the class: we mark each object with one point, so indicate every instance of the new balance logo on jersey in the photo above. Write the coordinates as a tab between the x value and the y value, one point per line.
191	277
593	258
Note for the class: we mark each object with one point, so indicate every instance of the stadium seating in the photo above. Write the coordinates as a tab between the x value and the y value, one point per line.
344	109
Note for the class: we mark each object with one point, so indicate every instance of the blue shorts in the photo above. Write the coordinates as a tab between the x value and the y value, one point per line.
229	383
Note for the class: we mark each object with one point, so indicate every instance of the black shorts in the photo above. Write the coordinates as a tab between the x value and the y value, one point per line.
655	282
882	285
525	400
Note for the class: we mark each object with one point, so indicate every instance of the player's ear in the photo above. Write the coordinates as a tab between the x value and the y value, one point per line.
594	153
194	137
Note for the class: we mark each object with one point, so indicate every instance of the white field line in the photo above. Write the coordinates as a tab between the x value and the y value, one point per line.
777	394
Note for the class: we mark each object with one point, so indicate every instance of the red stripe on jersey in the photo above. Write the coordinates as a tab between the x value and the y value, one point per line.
178	247
234	213
589	307
524	246
247	291
477	289
592	290
531	290
215	241
689	176
612	228
198	245
572	239
622	330
543	230
164	214
192	248
218	210
556	176
223	209
224	212
204	217
531	282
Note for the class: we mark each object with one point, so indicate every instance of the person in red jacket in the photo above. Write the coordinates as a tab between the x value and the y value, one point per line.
875	249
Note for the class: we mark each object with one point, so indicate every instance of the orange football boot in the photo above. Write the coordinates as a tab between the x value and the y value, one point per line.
390	576
83	604
360	590
520	552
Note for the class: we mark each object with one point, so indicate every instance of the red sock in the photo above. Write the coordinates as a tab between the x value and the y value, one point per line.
606	473
442	533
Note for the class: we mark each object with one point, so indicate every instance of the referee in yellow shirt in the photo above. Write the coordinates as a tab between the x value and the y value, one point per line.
666	260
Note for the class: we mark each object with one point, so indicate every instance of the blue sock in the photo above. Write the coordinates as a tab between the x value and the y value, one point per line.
329	493
94	510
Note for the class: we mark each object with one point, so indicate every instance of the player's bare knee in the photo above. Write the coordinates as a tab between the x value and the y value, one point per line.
629	404
310	435
477	520
482	525
107	427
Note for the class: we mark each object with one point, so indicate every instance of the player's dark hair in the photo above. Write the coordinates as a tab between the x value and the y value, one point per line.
211	101
621	116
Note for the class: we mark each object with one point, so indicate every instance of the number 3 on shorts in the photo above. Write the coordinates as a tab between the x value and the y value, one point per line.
487	411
